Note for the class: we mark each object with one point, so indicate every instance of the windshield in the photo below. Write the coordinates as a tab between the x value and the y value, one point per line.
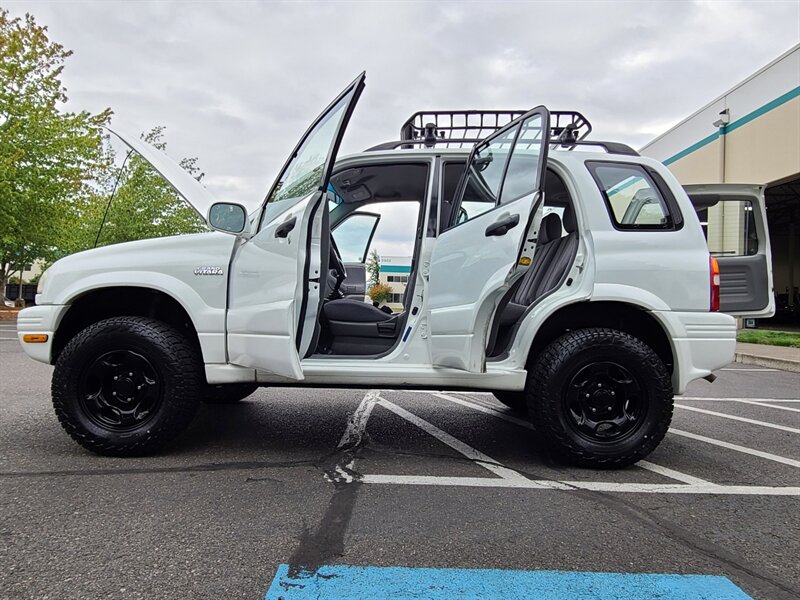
305	171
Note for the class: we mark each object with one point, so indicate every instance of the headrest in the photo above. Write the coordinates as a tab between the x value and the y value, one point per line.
570	223
550	229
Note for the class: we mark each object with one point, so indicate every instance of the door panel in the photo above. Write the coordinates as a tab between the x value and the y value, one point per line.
735	221
274	288
266	294
743	284
473	262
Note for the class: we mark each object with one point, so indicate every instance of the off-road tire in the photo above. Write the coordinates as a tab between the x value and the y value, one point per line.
516	401
551	382
229	393
176	366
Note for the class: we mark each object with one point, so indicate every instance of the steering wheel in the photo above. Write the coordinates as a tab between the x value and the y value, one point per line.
336	264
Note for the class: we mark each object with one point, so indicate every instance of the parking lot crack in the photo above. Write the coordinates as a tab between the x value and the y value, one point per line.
679	534
326	542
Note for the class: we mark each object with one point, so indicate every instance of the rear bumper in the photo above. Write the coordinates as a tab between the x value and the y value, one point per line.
39	320
701	343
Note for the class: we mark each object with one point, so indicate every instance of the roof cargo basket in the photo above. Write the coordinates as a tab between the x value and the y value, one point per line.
460	128
464	128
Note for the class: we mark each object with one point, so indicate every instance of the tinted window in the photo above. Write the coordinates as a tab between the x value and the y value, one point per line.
305	171
632	198
522	177
484	177
353	236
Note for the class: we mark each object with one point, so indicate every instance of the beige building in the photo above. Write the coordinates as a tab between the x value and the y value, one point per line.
395	271
750	134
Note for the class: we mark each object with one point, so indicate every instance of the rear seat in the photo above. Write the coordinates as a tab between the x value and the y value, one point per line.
551	262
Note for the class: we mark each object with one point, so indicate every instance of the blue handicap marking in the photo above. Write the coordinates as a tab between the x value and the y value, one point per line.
334	582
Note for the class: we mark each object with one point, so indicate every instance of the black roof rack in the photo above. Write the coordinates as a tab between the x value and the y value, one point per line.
459	127
463	128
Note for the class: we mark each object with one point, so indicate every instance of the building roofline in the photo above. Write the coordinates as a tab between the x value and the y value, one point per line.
769	65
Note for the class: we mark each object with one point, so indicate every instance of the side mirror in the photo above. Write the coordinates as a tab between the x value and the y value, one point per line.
227	217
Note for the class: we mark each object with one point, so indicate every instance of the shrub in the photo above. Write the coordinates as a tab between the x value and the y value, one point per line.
380	292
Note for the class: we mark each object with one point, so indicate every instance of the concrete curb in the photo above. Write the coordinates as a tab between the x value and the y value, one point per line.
768	362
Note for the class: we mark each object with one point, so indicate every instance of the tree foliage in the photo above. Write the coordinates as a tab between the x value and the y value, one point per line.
47	156
380	292
57	169
373	268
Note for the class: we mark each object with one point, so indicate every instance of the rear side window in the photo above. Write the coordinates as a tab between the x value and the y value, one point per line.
633	198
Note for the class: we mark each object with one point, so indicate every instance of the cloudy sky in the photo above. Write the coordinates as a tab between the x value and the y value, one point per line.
236	83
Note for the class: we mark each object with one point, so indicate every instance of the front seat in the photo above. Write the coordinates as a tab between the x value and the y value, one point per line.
348	310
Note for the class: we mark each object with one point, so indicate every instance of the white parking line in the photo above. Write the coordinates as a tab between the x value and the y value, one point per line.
754	403
508	478
682	398
743	449
594	486
471	453
486	409
665	471
673	474
738	418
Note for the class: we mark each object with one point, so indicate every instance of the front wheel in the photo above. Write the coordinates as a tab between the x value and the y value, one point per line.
126	386
601	397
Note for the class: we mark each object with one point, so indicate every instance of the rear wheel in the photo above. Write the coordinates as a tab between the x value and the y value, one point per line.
229	393
126	386
601	398
514	400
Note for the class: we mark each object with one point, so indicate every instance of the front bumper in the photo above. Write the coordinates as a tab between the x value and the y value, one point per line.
41	320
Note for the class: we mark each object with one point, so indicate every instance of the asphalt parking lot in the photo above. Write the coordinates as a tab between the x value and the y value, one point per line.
295	483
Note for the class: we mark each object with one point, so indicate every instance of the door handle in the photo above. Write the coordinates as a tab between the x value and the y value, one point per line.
284	228
503	225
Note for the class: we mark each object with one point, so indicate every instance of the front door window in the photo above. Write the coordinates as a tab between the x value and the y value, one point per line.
309	166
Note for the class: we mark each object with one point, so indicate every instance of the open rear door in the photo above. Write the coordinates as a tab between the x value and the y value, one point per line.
475	258
277	276
734	219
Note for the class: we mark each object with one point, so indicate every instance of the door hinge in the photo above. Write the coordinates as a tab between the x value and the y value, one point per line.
423	329
426	269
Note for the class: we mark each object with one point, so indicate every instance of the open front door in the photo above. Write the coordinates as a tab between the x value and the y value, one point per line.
734	218
475	257
276	277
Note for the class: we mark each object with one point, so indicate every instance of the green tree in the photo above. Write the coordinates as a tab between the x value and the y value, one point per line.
47	157
374	268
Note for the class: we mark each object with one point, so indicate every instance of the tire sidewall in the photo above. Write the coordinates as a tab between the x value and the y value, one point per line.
559	366
174	408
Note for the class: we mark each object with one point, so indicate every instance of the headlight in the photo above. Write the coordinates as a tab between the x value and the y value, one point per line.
42	280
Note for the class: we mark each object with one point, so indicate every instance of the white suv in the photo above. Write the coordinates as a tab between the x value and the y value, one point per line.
576	285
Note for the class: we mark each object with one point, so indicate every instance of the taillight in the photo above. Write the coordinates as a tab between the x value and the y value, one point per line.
713	269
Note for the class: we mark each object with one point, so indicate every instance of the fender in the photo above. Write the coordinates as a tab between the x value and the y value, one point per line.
624	294
208	321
